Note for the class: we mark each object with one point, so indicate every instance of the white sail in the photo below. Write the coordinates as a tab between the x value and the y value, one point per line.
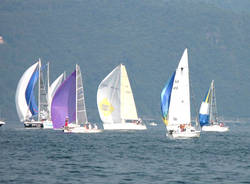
204	109
179	109
108	97
21	104
53	87
128	108
81	115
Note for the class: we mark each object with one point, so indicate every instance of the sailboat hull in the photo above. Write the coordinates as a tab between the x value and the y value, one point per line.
190	132
2	123
81	130
33	124
47	124
124	126
215	128
186	135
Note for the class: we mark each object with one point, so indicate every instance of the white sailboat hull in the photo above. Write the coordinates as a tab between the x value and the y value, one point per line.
153	124
124	126
185	135
47	124
2	123
81	130
215	128
190	132
33	124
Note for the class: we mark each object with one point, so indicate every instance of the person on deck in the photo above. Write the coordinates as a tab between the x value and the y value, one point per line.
66	122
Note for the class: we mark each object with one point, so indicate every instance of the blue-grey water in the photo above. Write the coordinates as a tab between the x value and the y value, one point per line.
47	156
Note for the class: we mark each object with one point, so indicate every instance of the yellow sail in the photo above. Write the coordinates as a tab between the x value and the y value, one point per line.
128	108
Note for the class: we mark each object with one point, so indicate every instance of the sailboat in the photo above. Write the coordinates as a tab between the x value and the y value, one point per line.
208	113
116	103
26	106
51	91
2	123
175	103
68	110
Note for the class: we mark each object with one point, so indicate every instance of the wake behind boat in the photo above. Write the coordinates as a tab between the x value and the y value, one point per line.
208	113
175	103
68	110
116	103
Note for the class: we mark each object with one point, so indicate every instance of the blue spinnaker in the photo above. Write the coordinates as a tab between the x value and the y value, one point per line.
29	93
204	109
165	98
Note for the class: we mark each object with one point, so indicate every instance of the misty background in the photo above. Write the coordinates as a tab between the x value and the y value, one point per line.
148	36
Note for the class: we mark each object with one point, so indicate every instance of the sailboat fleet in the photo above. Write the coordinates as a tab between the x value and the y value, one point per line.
61	105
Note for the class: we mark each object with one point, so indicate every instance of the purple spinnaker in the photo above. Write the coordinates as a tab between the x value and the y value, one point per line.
64	102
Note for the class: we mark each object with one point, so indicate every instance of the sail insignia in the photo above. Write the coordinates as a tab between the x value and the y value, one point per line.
106	107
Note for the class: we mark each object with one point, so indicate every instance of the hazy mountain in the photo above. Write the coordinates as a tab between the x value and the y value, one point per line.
148	36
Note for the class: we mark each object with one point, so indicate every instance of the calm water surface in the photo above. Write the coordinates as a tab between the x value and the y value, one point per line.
47	156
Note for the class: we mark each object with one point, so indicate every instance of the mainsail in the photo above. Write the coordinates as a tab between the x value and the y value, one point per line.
64	102
128	108
81	115
25	100
43	103
213	106
177	96
115	99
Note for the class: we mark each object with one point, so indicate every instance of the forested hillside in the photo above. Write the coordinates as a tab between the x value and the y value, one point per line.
148	36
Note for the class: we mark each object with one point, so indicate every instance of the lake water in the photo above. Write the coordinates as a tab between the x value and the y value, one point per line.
48	156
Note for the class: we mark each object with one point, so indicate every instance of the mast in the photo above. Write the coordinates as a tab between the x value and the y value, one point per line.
214	103
64	75
48	91
76	94
121	96
39	94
